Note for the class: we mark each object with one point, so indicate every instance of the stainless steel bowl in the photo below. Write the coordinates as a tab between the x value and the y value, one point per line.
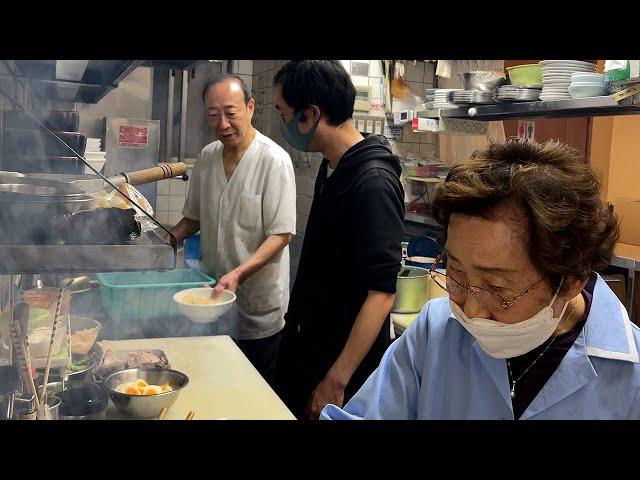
482	81
145	406
81	374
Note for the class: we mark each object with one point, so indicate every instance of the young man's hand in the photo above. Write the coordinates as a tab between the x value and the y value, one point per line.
329	390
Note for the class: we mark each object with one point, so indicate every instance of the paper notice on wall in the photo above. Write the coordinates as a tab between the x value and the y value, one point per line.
393	132
133	136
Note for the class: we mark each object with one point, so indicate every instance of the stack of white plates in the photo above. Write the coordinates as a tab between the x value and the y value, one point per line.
93	144
556	77
441	97
94	156
513	93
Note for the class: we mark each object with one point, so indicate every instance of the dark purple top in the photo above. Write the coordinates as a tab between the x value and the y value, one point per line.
532	382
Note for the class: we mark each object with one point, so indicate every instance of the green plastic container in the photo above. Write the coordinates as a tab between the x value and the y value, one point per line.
530	74
145	295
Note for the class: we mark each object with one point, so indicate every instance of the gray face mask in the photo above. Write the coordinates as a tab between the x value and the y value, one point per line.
292	135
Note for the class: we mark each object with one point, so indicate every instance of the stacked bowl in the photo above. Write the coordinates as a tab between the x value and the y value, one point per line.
587	85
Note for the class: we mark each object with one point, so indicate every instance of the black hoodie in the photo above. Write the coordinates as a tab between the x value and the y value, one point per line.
351	245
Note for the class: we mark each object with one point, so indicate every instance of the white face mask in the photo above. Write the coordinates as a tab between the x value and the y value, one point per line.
506	340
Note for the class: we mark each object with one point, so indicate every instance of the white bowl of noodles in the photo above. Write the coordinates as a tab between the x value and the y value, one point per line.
199	306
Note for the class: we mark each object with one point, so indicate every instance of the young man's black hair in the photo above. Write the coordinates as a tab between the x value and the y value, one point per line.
324	83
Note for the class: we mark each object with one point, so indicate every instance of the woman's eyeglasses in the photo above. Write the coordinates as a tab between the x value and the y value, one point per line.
458	290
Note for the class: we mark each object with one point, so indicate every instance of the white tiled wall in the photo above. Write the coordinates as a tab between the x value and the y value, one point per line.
170	198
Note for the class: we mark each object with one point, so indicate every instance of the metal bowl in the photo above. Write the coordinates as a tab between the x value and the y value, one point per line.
482	81
145	406
81	374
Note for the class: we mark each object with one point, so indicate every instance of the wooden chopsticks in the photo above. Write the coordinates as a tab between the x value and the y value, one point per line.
163	413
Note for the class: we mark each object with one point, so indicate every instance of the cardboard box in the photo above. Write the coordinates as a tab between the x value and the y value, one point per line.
628	211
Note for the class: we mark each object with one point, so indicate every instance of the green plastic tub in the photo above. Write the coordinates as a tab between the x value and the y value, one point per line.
525	74
145	295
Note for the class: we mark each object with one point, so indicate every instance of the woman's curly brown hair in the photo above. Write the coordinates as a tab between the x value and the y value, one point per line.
571	232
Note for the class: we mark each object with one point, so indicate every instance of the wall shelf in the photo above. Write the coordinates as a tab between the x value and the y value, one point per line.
583	107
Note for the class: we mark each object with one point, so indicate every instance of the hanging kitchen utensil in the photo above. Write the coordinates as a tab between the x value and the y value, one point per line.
388	107
399	88
78	284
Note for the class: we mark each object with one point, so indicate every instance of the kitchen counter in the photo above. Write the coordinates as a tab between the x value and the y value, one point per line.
223	384
402	320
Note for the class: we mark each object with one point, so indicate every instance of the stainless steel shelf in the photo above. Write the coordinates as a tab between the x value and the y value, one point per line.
98	79
148	252
583	107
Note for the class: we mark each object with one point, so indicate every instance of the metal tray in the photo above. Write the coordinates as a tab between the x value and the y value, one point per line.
147	252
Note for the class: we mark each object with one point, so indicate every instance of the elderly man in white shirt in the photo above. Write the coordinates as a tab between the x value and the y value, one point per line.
242	199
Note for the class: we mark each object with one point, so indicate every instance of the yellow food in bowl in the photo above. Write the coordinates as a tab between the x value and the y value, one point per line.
140	387
199	300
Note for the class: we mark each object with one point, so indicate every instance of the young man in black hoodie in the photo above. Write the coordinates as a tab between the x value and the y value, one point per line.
337	325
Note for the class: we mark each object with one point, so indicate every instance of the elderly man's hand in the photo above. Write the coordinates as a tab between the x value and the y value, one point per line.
229	282
328	391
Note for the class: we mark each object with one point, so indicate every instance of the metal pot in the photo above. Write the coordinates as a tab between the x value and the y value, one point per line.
83	401
411	290
28	205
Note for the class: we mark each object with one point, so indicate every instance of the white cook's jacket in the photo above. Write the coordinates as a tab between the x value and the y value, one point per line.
235	218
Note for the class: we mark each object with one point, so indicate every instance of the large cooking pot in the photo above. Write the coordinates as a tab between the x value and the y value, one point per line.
27	206
411	290
30	204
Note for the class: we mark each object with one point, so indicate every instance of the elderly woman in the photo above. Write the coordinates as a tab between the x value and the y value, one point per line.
529	330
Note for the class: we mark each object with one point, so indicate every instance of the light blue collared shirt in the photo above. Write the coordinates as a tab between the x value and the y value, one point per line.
437	370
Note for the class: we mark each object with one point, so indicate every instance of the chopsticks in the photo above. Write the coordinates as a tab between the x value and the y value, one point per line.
56	318
23	360
163	413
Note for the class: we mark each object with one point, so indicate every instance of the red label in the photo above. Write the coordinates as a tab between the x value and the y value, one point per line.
133	136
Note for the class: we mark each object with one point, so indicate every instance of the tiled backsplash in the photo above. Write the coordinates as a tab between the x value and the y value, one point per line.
170	196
